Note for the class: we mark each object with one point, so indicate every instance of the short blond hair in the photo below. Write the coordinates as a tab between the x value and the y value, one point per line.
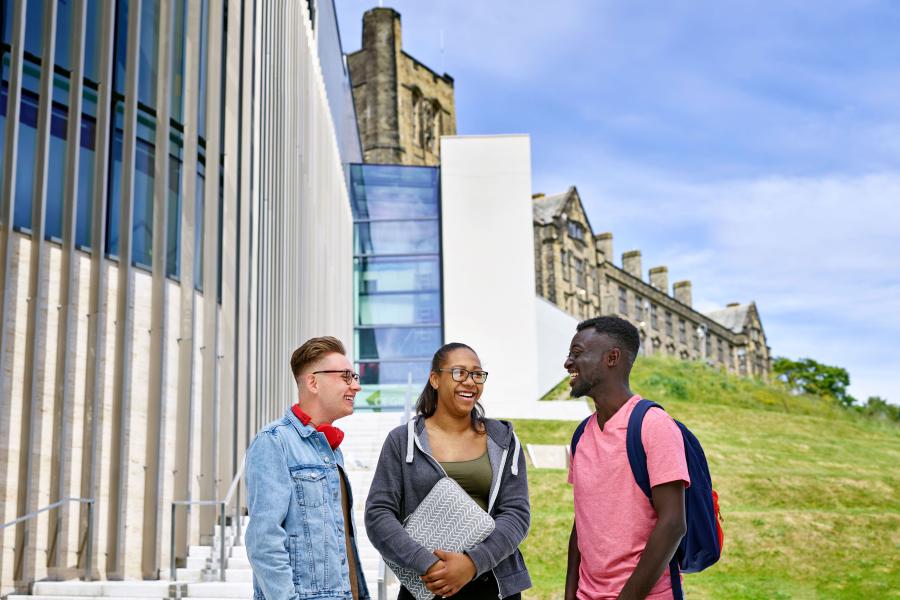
312	350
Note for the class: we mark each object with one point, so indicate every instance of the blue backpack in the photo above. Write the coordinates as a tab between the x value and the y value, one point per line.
701	545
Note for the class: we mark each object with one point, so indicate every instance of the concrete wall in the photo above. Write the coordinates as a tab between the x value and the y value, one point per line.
555	329
488	262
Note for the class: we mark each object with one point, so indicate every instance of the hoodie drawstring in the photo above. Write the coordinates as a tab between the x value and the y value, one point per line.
410	439
515	459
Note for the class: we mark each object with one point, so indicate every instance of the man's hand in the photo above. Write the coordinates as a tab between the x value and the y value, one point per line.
573	564
449	574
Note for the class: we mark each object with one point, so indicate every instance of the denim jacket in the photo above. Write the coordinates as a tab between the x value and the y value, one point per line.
295	538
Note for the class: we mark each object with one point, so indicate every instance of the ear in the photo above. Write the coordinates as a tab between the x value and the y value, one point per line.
310	382
613	356
433	380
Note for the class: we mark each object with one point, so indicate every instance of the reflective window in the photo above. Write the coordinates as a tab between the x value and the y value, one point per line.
173	230
391	343
121	46
395	373
147	54
3	95
204	42
198	228
379	275
391	309
53	216
63	34
142	208
397	280
83	221
28	112
6	16
34	24
391	192
397	237
92	39
179	14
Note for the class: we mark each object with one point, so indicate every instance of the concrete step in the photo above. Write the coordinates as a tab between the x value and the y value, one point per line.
217	589
103	589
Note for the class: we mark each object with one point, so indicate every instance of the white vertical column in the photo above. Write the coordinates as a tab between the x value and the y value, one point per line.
29	439
490	176
96	354
65	347
184	420
159	307
209	426
119	456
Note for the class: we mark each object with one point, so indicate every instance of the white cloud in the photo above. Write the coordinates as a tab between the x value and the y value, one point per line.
820	256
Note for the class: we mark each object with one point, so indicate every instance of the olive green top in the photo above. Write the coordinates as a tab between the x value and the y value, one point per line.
474	476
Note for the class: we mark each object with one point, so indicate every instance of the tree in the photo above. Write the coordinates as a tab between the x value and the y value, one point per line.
876	406
812	377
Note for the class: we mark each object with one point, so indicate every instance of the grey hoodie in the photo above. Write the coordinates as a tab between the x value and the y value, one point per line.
405	474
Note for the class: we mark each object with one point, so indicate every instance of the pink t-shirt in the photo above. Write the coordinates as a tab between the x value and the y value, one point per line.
613	517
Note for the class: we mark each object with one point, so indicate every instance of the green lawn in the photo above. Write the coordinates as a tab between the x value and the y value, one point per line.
810	492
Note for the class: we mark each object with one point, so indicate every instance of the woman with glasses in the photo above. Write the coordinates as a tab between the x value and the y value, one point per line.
450	437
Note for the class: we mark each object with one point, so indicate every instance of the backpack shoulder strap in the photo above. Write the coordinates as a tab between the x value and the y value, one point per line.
637	456
576	437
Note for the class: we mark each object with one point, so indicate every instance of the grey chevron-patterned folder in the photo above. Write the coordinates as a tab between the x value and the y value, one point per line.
447	519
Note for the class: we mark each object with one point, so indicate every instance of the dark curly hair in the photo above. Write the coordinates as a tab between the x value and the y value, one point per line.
623	333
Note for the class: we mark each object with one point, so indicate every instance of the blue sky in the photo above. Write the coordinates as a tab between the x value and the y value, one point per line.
753	148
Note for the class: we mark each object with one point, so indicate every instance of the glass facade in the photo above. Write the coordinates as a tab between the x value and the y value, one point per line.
397	280
151	30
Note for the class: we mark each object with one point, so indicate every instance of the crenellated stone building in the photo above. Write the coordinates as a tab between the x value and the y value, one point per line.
574	270
403	107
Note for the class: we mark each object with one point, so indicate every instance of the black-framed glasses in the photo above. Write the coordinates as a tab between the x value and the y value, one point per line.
460	374
346	374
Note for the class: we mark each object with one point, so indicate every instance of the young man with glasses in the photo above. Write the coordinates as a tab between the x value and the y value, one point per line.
301	540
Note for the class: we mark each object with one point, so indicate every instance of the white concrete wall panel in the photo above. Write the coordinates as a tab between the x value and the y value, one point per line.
488	262
555	329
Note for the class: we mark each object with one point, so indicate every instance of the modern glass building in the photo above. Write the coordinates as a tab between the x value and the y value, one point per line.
397	279
174	221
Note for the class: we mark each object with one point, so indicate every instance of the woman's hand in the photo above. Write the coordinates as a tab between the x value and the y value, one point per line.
449	574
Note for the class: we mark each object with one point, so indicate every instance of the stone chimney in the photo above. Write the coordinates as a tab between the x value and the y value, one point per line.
631	263
659	278
682	292
603	242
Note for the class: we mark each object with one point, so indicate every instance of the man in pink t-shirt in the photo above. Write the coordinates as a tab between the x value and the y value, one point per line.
621	544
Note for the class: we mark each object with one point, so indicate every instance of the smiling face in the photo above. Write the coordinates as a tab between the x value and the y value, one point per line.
588	361
333	396
458	398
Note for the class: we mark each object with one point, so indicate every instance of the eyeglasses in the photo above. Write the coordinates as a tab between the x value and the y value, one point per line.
346	374
460	374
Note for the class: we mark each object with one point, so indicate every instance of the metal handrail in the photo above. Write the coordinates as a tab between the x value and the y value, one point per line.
89	548
222	504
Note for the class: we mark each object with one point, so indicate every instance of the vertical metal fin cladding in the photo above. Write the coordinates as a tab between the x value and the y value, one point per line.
184	443
32	396
96	354
210	350
60	480
154	442
118	480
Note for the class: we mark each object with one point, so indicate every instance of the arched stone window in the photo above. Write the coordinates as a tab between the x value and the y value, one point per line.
417	117
436	124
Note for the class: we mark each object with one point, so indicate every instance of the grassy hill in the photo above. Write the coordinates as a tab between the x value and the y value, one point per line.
810	492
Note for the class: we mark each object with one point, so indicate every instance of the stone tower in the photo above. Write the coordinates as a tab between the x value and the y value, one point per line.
402	106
